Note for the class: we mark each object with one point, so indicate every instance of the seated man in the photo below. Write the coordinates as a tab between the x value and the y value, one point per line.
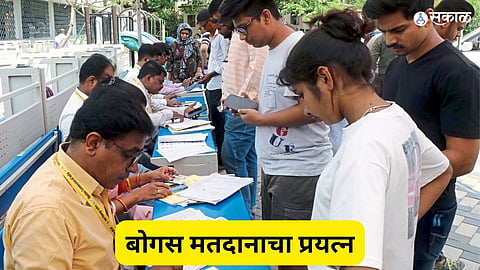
146	53
95	69
150	81
53	221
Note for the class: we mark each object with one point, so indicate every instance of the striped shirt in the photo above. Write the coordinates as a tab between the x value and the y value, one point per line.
242	72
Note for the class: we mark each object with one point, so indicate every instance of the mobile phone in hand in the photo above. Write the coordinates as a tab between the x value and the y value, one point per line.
237	103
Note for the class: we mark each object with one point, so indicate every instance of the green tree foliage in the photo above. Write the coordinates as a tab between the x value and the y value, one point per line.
194	6
309	8
164	9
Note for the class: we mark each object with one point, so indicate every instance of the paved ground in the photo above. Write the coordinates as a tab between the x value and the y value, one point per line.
464	240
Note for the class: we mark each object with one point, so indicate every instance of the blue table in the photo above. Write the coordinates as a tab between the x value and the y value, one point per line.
232	208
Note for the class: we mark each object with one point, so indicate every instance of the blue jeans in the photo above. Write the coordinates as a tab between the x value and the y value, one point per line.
238	154
432	233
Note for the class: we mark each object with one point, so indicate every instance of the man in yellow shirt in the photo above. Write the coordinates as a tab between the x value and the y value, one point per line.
52	223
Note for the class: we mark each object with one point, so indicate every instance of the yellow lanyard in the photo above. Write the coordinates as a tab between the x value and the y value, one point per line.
79	95
79	188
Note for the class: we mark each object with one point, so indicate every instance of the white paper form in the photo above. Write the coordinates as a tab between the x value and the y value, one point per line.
186	124
215	188
199	128
195	137
187	214
173	151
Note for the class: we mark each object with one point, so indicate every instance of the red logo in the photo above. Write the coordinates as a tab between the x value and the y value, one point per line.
282	131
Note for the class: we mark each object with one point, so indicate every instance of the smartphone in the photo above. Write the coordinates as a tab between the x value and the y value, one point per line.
196	112
236	103
177	187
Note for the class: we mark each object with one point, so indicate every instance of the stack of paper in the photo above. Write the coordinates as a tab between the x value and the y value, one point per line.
215	188
196	137
188	125
180	146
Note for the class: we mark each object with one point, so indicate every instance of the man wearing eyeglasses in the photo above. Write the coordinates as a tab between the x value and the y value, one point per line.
207	29
292	148
62	217
95	69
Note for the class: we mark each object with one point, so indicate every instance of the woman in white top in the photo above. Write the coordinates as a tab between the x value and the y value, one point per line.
386	173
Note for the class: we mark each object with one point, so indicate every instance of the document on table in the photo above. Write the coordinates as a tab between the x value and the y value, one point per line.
199	128
186	124
174	151
195	137
215	188
174	199
187	214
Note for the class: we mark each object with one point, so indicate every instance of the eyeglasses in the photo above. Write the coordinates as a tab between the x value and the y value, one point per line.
109	80
134	155
243	29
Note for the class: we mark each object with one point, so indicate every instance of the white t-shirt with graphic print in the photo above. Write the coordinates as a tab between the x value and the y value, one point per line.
291	151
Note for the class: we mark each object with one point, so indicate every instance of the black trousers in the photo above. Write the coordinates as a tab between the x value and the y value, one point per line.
218	119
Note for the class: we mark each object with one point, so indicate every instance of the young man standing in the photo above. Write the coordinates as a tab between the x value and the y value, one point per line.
293	149
220	42
241	76
439	87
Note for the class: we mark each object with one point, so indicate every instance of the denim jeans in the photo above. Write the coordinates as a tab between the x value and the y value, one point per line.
238	154
432	233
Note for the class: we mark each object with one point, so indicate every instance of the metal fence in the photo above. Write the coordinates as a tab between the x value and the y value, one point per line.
7	20
35	23
62	16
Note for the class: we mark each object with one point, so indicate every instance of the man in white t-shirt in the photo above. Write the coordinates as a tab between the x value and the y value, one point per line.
293	149
95	69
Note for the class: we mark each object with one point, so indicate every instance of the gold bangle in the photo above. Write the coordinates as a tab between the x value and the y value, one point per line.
122	203
129	187
138	179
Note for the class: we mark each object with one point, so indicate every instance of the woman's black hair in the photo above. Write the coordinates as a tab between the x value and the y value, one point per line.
336	44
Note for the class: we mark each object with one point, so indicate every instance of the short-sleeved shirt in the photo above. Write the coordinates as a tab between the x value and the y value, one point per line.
440	90
375	178
291	151
66	117
49	224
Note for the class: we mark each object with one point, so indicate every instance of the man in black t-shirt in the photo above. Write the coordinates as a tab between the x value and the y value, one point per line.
439	88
